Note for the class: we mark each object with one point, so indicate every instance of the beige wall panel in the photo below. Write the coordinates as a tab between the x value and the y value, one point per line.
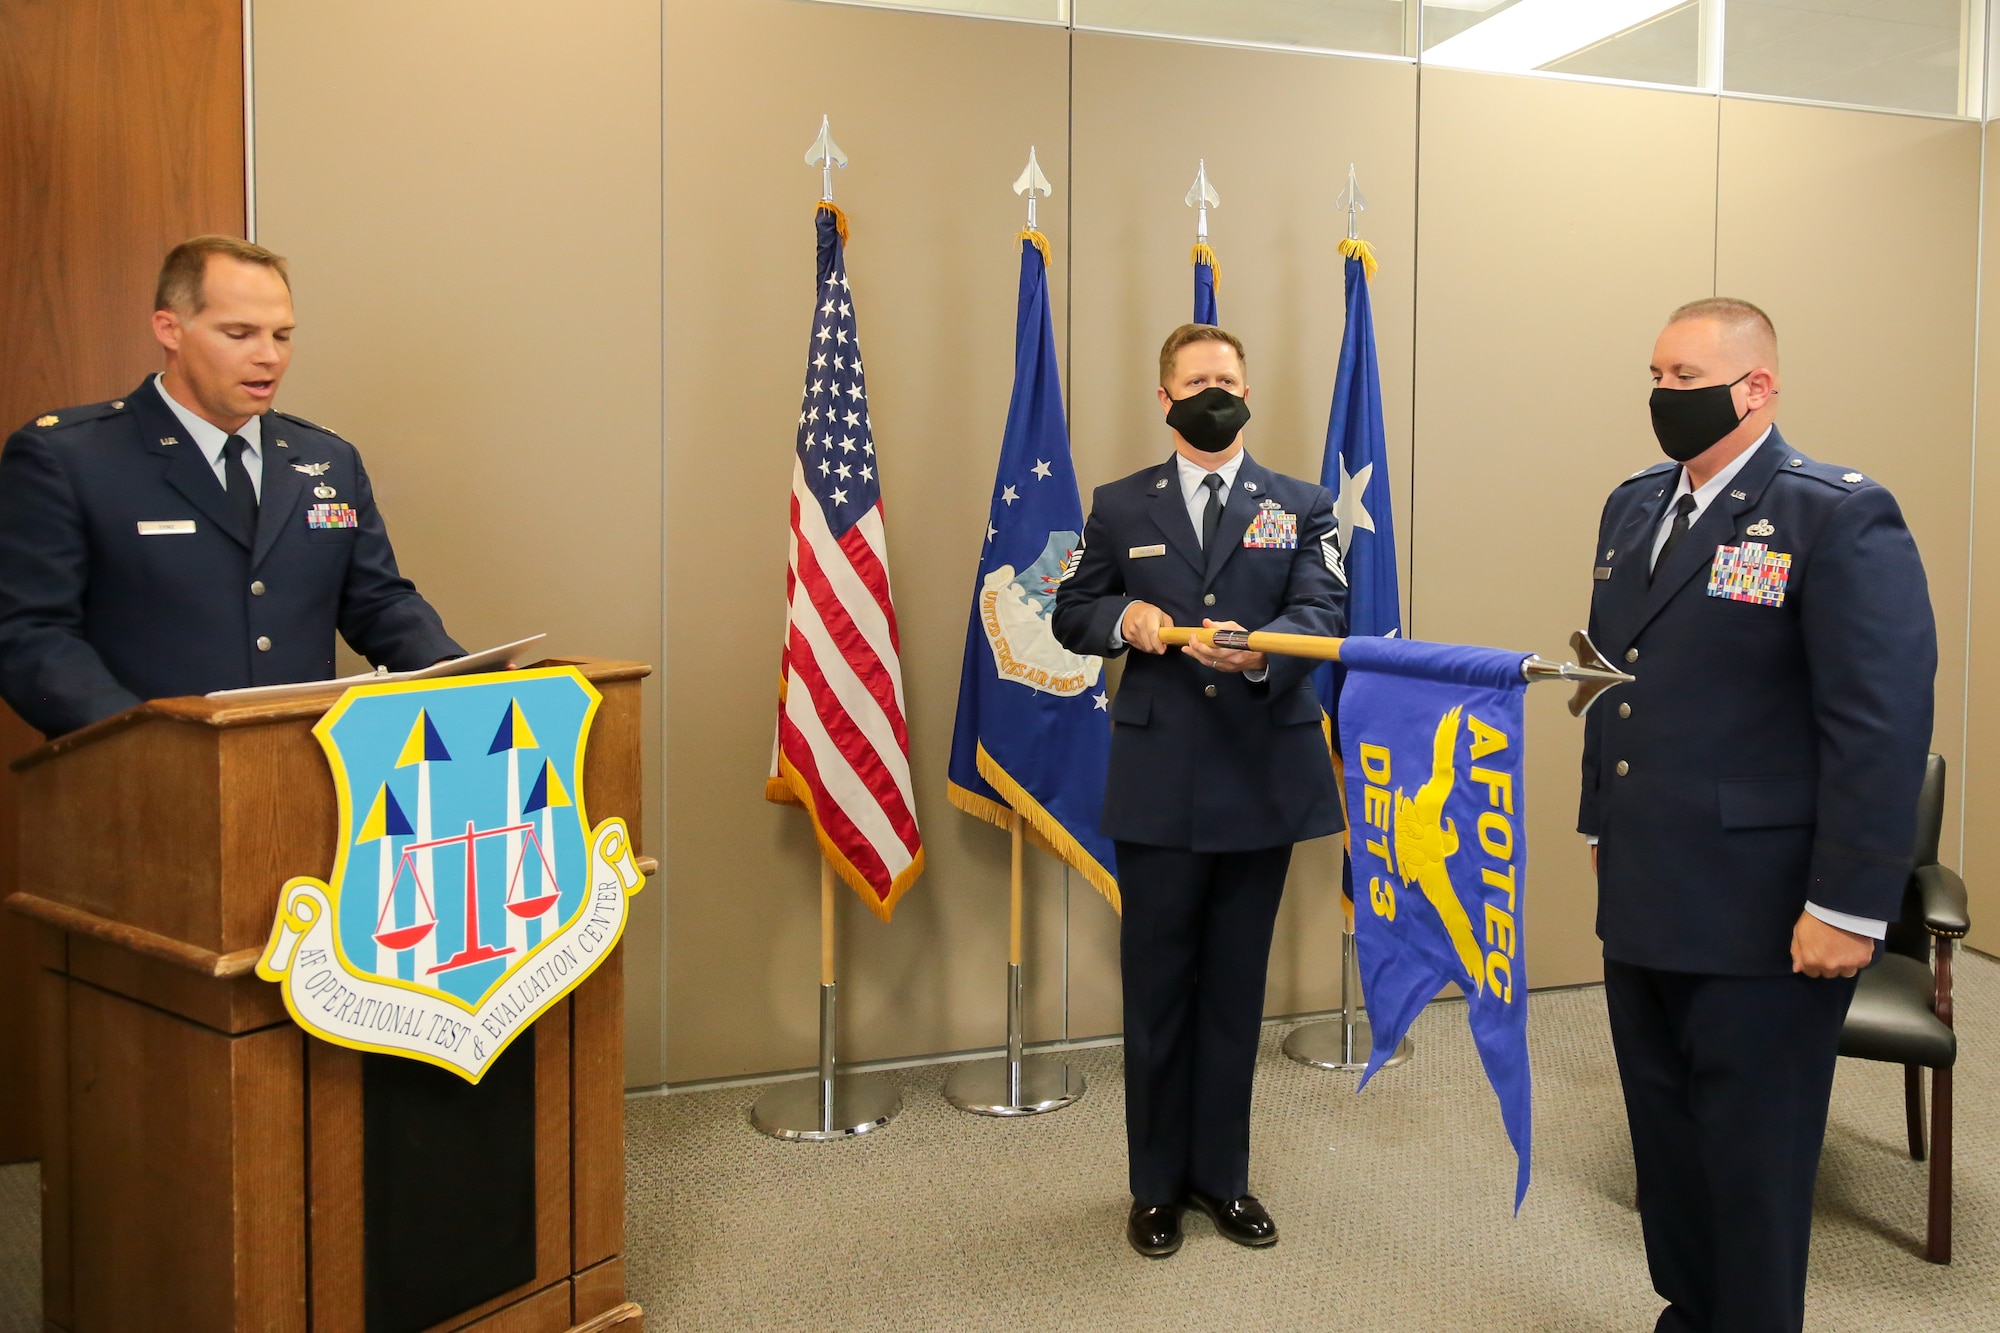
1278	130
1560	222
1859	233
937	115
1978	776
470	197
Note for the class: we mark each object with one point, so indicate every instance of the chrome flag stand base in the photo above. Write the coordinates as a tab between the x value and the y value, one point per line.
831	1106
1017	1085
1343	1043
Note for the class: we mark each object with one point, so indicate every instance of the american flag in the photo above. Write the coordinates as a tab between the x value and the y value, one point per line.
843	747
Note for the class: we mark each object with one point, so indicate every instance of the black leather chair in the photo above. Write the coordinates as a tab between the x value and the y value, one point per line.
1902	1006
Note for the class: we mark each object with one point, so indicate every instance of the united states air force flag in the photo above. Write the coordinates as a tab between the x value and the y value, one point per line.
1033	732
1432	738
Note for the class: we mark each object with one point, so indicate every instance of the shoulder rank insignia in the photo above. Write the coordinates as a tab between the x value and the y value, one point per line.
49	420
1761	528
1851	478
312	469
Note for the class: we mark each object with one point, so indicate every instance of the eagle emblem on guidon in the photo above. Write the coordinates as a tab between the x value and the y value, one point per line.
469	890
1015	608
1426	840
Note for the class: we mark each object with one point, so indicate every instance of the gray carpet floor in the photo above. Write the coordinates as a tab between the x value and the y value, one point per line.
1393	1205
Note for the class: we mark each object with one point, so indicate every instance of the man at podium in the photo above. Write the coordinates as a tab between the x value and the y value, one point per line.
187	537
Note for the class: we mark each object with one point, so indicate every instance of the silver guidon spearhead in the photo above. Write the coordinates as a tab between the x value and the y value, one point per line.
1352	202
1591	672
1032	182
826	155
1201	196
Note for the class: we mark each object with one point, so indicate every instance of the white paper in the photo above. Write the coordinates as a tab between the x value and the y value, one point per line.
489	659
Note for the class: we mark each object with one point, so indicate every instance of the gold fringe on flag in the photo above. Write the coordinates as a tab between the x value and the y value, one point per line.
1356	248
839	218
1204	255
1043	826
788	786
1041	243
799	792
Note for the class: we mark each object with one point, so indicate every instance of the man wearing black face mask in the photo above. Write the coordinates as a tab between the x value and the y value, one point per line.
1751	801
1218	765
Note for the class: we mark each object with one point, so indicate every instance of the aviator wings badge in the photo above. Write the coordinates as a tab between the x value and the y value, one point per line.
312	469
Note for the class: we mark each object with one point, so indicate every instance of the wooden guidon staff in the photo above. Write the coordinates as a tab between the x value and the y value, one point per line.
1591	673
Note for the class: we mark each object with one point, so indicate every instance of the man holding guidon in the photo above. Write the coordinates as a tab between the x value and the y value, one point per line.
1218	765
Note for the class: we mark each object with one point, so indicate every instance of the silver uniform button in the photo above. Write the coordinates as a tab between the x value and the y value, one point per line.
257	588
1623	768
1208	599
1208	690
1631	654
263	644
1624	710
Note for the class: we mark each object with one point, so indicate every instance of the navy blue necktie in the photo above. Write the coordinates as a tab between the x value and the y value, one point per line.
1211	517
1682	508
236	477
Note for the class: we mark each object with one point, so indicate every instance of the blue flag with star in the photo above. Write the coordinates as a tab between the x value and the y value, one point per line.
1033	733
1355	470
1437	812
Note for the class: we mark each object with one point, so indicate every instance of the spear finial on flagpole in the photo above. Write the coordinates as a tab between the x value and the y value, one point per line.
826	155
1032	182
1354	202
1201	196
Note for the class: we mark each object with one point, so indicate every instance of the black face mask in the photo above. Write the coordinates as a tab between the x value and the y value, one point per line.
1690	421
1210	420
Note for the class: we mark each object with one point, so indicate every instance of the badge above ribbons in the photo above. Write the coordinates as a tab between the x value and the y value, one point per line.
469	891
1432	736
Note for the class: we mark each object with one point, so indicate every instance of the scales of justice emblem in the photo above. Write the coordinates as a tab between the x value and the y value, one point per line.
469	891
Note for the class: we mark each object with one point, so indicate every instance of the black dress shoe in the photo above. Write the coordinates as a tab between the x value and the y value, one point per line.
1154	1232
1242	1220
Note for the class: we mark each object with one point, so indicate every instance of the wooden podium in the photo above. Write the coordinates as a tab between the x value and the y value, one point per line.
202	1157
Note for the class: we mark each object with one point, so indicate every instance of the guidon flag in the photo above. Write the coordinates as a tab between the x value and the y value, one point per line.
1433	740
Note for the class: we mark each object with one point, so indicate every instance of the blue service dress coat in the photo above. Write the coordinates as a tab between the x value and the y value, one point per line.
1202	759
124	575
1770	750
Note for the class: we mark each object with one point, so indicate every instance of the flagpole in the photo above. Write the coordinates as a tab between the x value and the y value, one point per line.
829	1106
1018	1084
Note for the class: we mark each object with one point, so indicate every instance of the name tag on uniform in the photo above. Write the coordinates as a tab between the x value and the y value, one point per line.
165	527
1141	552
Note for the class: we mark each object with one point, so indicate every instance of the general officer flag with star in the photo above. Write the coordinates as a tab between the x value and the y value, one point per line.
1356	471
1033	732
1433	742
